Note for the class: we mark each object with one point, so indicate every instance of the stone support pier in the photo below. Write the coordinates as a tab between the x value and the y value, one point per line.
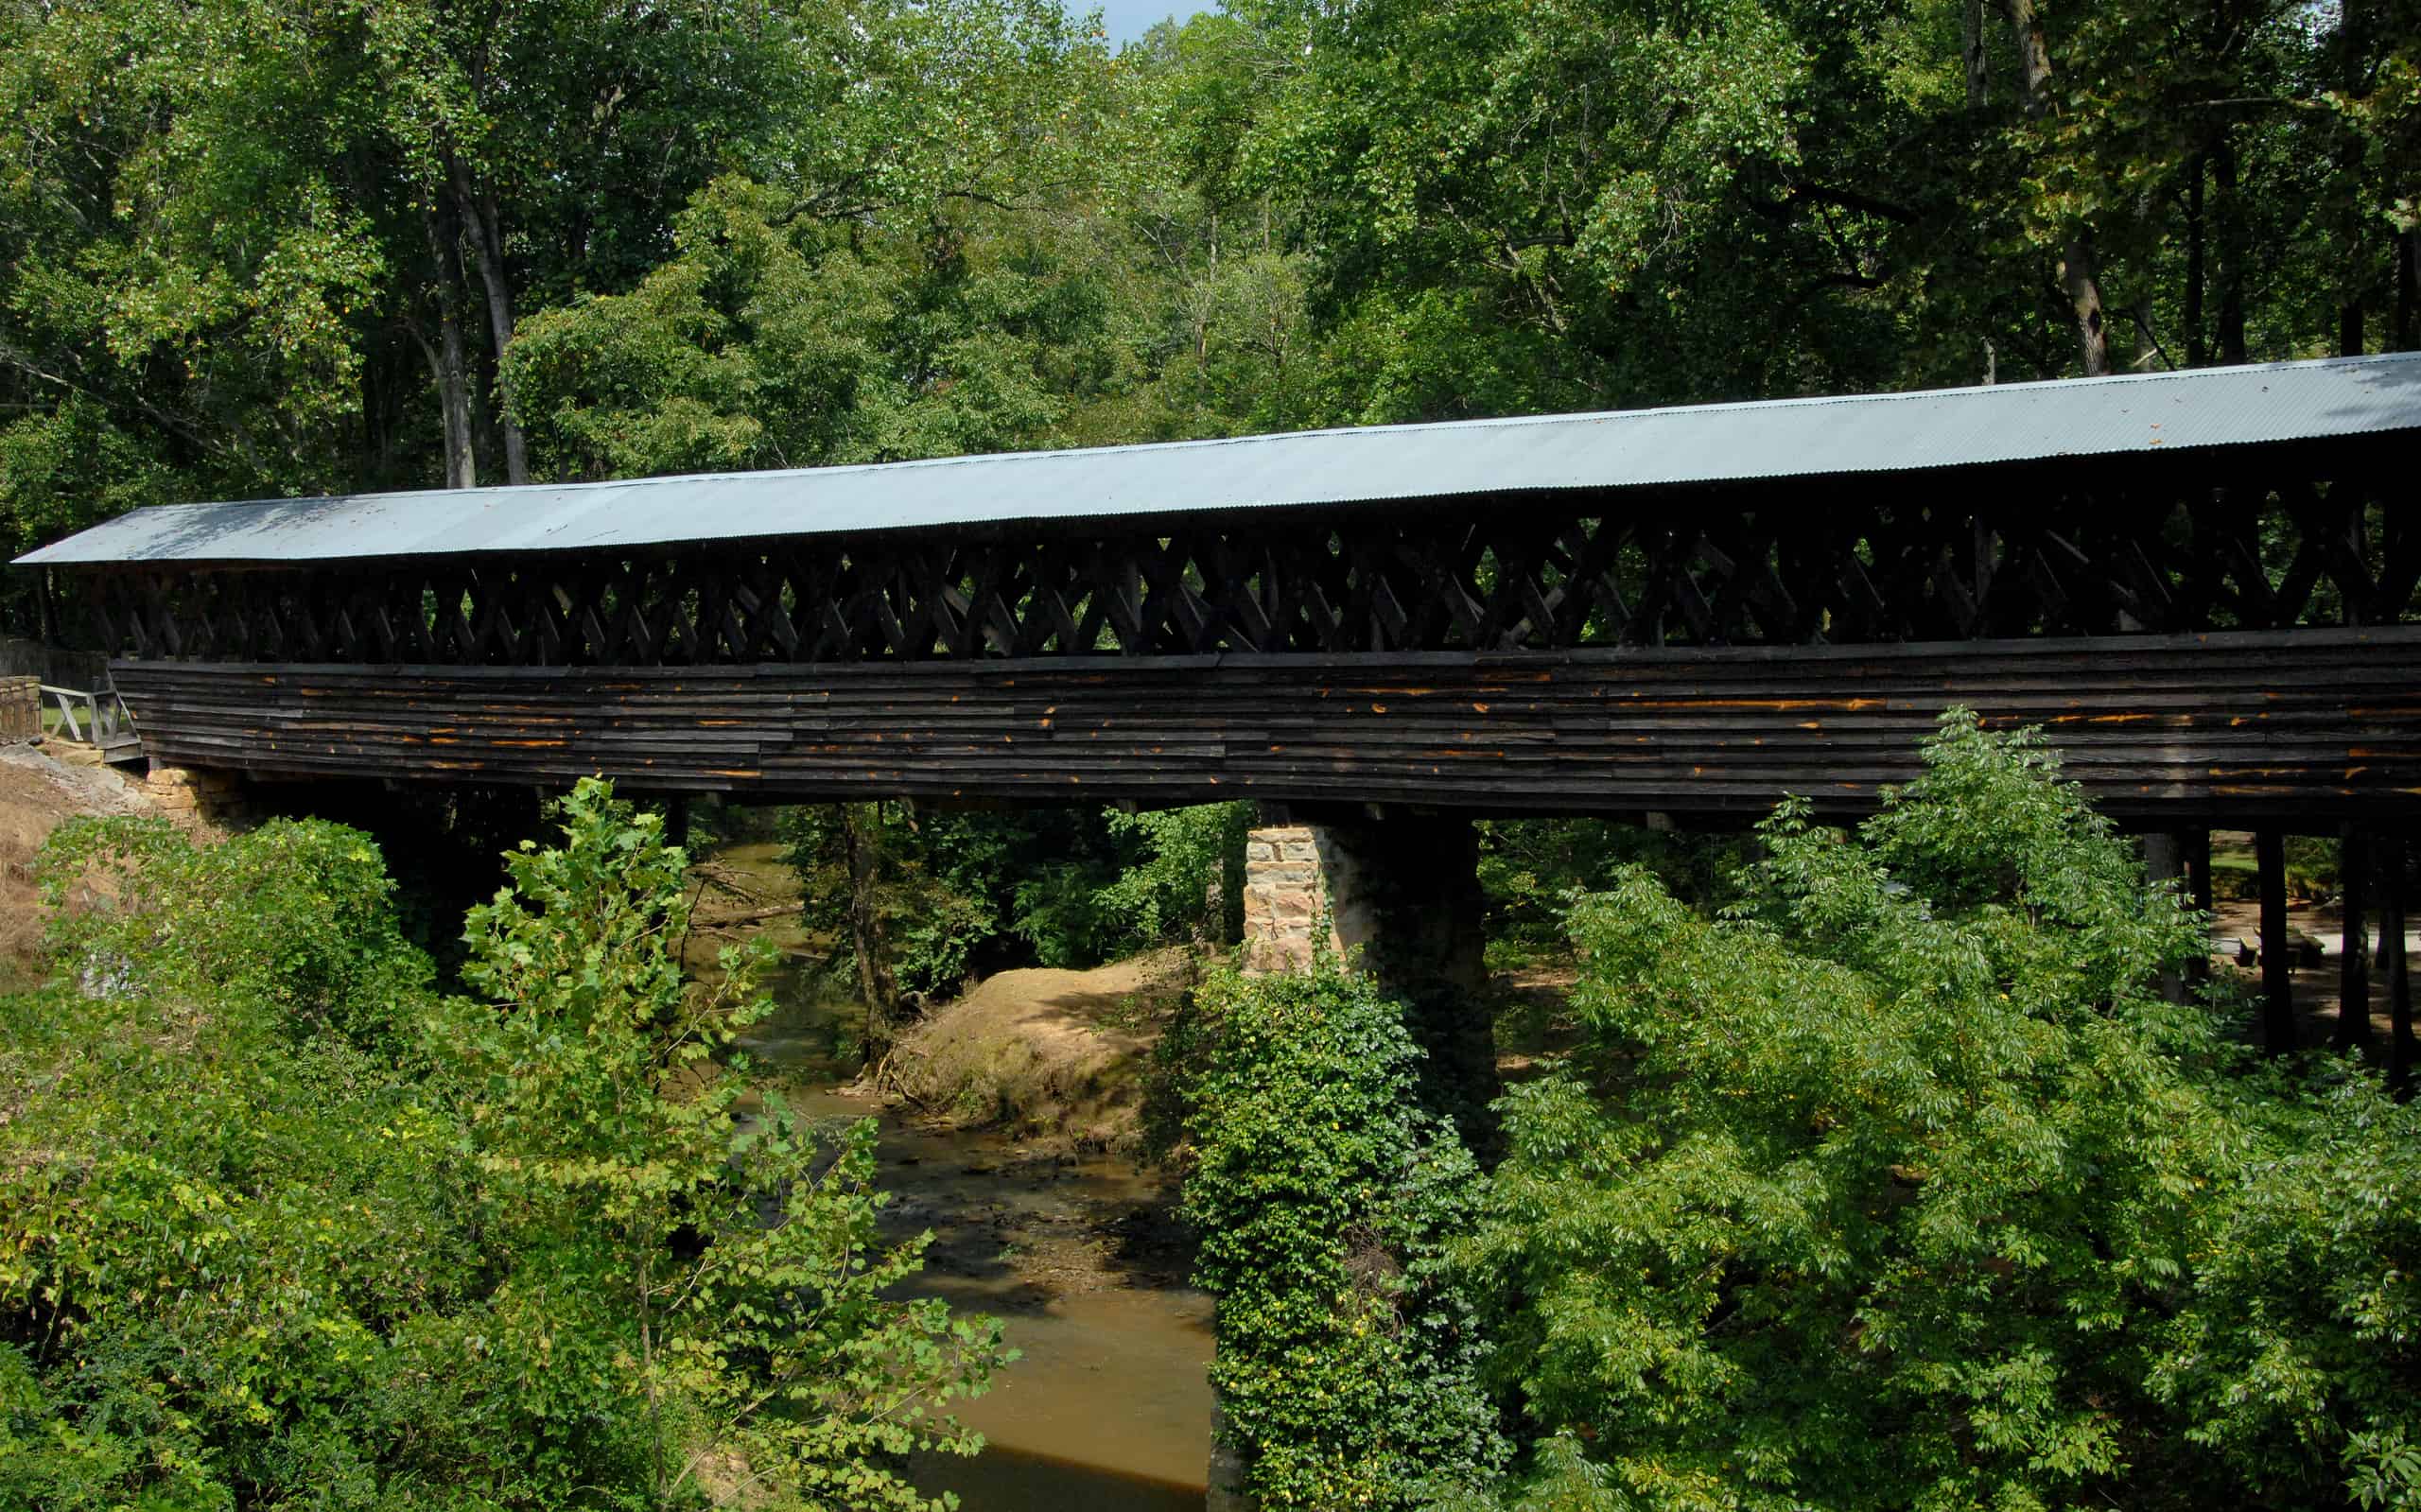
1398	897
198	796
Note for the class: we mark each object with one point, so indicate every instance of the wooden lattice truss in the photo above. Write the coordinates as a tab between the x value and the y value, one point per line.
1870	560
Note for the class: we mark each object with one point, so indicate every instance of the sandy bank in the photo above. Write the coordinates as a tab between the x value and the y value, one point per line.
1044	1055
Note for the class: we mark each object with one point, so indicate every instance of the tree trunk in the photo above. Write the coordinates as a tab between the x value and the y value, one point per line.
2197	351
2033	59
2079	275
2198	872
454	400
2392	968
647	1370
862	843
487	253
2406	334
1978	75
2165	867
2277	982
446	362
2353	57
2083	285
2227	221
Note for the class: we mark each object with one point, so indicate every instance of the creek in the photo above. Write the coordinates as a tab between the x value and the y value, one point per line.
1081	1259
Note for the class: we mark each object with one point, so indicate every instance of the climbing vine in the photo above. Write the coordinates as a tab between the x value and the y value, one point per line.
1347	1360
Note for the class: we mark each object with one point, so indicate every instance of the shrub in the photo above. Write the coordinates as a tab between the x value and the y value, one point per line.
296	916
1899	1186
1809	1215
2295	1361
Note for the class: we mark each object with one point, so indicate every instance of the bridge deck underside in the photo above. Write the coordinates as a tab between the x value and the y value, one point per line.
2314	725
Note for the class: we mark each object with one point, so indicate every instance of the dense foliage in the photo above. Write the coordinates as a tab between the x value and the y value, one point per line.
1892	1181
1325	1197
1894	1186
1529	868
1187	874
940	894
277	1227
1899	1184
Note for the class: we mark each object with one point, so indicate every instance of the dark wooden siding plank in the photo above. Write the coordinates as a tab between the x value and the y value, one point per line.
2308	724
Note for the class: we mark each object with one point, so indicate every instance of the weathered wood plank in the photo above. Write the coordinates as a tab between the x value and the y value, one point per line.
2302	727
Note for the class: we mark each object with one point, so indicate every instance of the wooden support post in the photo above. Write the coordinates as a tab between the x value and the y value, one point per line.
676	820
2198	877
2354	954
2387	866
2165	867
2393	965
2277	984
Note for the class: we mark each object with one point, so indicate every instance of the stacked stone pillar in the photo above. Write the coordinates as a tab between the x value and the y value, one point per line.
198	796
1398	897
1289	911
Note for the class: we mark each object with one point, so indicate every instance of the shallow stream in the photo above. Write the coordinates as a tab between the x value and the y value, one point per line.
1108	1409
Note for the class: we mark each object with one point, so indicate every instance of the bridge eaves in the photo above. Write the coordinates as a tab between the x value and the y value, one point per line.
2011	424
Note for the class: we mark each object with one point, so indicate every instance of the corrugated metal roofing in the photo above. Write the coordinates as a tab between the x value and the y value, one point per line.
1784	438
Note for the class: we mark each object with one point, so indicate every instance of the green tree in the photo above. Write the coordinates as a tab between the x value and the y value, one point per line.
744	1273
1188	880
252	248
886	276
919	899
276	1225
2295	1362
239	1256
1898	1183
1530	204
1528	869
925	899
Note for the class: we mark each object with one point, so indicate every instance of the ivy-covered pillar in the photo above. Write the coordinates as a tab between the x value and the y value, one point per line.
1226	1492
1399	897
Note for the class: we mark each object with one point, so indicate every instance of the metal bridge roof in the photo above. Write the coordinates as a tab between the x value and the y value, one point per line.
1699	443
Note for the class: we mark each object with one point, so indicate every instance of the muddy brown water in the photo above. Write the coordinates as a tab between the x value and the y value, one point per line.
1108	1408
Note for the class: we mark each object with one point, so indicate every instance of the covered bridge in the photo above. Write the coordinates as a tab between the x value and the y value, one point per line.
2201	584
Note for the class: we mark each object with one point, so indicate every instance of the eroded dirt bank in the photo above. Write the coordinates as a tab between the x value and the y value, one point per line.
38	792
1056	1057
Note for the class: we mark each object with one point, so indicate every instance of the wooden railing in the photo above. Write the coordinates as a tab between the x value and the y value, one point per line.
96	718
